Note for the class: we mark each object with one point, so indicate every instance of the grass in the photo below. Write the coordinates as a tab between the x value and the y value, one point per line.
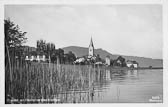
50	83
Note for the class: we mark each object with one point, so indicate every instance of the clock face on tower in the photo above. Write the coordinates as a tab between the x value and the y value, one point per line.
91	51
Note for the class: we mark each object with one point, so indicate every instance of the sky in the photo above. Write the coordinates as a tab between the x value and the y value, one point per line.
129	29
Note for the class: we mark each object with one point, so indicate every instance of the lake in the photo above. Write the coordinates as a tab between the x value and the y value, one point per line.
122	86
134	86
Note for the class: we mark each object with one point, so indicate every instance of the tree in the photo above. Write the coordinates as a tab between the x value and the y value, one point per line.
50	47
50	51
122	60
98	59
13	36
14	39
60	55
71	57
41	46
111	62
47	49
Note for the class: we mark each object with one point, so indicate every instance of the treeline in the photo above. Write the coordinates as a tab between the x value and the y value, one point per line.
53	54
120	61
16	51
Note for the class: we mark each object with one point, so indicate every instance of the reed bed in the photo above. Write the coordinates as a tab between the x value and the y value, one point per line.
32	82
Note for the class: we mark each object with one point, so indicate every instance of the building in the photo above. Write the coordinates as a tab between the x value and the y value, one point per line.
88	58
107	60
79	60
91	49
37	58
132	64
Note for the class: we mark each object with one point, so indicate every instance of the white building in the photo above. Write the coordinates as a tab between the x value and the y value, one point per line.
32	58
132	64
27	58
37	58
107	60
79	60
98	63
91	49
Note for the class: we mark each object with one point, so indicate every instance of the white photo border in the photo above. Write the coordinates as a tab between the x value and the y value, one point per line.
164	4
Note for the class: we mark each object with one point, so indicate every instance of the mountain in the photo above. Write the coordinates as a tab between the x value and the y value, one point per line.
143	62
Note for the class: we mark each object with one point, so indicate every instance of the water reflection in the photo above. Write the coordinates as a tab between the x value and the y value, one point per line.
101	85
132	73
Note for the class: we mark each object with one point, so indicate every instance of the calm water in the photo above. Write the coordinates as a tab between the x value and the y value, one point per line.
109	86
131	86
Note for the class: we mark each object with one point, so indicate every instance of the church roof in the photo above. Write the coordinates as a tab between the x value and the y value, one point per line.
91	43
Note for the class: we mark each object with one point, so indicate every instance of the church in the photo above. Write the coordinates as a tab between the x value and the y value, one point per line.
92	57
91	54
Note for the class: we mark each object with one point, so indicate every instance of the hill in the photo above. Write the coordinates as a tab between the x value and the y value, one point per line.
143	62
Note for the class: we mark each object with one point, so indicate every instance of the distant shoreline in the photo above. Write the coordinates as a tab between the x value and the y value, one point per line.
151	68
140	68
114	67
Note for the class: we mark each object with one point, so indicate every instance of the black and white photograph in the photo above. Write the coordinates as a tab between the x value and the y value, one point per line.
83	53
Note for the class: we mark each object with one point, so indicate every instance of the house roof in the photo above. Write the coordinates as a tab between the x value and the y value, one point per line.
131	62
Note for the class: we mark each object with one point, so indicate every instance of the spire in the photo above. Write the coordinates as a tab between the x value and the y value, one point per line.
91	49
91	42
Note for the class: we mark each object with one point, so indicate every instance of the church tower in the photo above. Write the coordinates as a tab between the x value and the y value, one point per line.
91	49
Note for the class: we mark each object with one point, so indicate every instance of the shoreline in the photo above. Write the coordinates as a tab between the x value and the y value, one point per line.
110	67
139	68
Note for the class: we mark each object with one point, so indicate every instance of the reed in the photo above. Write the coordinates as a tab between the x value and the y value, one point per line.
50	83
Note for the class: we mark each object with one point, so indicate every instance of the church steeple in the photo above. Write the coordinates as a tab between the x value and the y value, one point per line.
91	43
91	49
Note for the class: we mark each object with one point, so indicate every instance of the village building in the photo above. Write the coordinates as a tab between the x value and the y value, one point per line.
119	62
41	58
99	63
107	60
91	49
37	58
132	64
80	60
